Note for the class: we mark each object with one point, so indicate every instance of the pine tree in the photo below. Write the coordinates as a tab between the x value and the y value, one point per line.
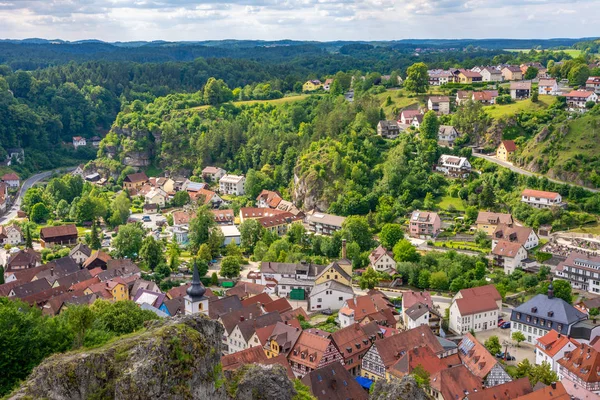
95	239
28	242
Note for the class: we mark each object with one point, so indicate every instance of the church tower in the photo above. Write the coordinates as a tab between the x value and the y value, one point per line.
195	301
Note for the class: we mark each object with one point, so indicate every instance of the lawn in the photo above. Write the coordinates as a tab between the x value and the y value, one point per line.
572	52
498	111
593	229
447	201
449	244
153	171
251	102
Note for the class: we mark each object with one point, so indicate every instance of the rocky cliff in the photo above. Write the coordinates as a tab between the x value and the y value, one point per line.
405	389
176	358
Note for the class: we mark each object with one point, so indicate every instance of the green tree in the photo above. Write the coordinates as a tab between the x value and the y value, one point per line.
204	253
173	254
430	126
369	279
251	232
535	96
128	241
214	279
28	240
493	345
62	209
423	280
336	88
470	119
518	337
594	312
405	251
438	281
200	228
95	236
542	373
181	198
39	213
230	267
421	376
390	235
202	267
561	289
579	74
417	78
215	242
216	92
302	391
120	209
356	229
120	317
80	319
531	73
151	252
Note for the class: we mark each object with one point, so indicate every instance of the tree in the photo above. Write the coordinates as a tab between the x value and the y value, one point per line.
181	198
232	249
251	232
215	242
421	376
128	241
405	251
200	228
95	236
561	289
120	209
80	319
356	229
152	252
417	78
518	337
202	267
216	92
302	391
390	235
230	267
535	96
214	279
204	253
578	75
438	281
424	277
28	240
173	253
430	126
471	119
542	373
493	345
531	73
369	279
39	213
336	88
62	209
297	235
594	312
120	317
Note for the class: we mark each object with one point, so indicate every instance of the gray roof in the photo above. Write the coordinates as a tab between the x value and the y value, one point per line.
563	312
416	311
446	344
331	285
83	248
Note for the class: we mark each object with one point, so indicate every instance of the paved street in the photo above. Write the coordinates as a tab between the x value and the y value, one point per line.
520	353
527	173
12	213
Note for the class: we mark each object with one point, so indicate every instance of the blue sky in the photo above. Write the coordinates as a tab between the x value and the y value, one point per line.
127	20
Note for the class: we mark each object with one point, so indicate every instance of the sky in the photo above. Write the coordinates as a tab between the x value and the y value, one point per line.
322	20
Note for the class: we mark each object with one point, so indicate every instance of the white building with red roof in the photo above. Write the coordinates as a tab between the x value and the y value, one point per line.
475	309
79	141
12	180
541	199
593	82
577	99
552	347
382	260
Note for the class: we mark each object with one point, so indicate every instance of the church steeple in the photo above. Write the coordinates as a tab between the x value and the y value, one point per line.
197	290
195	301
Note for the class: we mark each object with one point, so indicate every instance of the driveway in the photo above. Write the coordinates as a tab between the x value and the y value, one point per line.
155	219
520	353
12	213
528	173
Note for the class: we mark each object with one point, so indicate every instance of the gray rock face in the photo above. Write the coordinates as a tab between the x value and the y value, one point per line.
405	389
177	358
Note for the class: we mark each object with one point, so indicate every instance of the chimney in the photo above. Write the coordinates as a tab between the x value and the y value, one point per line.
343	248
52	271
559	335
550	291
553	384
241	318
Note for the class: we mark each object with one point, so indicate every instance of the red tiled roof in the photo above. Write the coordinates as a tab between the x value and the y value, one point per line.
51	232
477	359
554	391
282	305
486	290
583	362
411	298
509	145
252	355
455	382
583	94
137	177
505	248
474	305
506	391
539	193
261	298
552	342
10	177
310	345
391	348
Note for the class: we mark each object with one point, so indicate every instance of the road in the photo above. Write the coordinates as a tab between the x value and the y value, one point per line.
528	173
12	213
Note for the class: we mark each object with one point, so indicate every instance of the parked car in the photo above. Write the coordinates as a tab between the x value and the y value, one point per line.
327	311
501	322
505	325
146	218
508	356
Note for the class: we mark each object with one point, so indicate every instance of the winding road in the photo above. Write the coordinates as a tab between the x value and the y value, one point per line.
32	180
528	173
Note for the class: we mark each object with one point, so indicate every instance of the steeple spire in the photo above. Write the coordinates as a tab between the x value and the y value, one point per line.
197	290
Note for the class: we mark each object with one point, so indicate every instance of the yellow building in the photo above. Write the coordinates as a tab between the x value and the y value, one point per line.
488	221
282	339
339	271
114	289
312	85
506	148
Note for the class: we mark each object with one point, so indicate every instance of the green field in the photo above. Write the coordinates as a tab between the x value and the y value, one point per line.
572	52
446	201
504	110
251	102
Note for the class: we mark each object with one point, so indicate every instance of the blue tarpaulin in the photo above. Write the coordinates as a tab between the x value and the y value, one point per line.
364	382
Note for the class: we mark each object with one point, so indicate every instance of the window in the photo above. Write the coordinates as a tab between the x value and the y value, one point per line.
340	298
319	300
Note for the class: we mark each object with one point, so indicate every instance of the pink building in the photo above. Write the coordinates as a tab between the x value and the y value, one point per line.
424	224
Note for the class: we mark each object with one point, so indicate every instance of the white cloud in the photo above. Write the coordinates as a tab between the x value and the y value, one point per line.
124	20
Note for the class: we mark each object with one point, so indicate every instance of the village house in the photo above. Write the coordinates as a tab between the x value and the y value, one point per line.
424	224
593	83
323	224
114	289
353	342
462	96
509	255
541	199
388	129
231	234
384	353
491	74
10	234
417	121
453	166
58	235
454	383
213	174
233	185
277	271
520	90
163	183
440	77
311	86
80	253
382	260
79	141
581	270
439	104
280	223
98	259
329	295
578	372
135	181
505	150
488	221
282	339
21	260
481	363
421	314
507	391
244	335
156	196
327	84
407	116
410	298
486	97
523	235
447	135
368	308
207	197
334	382
96	141
12	180
548	87
512	73
311	352
466	76
475	309
578	99
552	347
536	317
268	199
338	271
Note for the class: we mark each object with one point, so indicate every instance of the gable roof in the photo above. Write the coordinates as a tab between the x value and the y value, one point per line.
410	298
540	193
245	289
516	234
509	145
355	338
486	217
252	355
455	383
309	344
285	336
583	94
552	342
99	255
416	311
475	356
271	198
52	232
58	268
248	327
280	305
30	288
260	299
555	391
475	305
583	362
136	178
82	248
424	357
229	320
392	348
334	382
506	391
483	291
379	252
331	285
508	249
337	268
222	306
175	305
525	85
